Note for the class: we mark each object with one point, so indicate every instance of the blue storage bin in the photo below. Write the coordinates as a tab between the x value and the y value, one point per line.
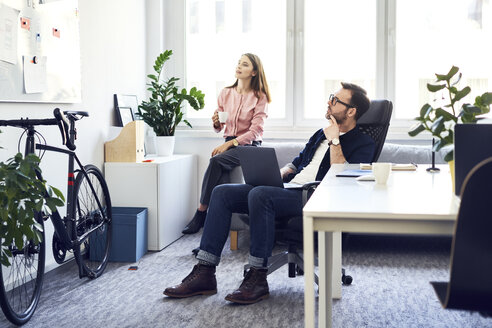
129	237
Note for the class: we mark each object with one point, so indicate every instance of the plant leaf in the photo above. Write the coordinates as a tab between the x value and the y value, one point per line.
416	129
448	76
457	80
437	126
447	116
449	156
435	87
461	94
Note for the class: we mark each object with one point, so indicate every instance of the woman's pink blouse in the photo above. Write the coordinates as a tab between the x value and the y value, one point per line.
246	117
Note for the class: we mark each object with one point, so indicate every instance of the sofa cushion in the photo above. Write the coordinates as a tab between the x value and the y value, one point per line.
403	154
286	151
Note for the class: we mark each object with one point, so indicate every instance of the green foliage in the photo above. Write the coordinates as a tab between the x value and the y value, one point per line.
162	111
440	121
22	194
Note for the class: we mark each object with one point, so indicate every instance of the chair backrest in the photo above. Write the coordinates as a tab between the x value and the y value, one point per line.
470	285
375	122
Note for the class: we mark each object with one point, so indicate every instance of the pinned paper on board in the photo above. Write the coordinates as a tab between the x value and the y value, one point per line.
8	34
29	30
35	74
25	23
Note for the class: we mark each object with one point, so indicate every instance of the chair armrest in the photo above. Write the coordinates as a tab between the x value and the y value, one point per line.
307	190
310	185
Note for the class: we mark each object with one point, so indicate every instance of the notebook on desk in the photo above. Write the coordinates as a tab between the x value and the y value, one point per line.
353	173
260	167
471	146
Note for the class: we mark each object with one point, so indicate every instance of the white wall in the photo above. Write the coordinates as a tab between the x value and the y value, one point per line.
113	54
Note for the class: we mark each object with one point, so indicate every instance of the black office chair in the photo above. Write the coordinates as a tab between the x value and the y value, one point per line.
470	282
375	122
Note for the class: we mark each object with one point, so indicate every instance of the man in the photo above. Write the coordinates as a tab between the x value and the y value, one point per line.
339	142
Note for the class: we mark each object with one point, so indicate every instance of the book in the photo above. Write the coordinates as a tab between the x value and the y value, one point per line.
394	167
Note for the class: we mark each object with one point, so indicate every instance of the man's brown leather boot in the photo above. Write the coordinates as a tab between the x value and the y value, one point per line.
201	281
254	288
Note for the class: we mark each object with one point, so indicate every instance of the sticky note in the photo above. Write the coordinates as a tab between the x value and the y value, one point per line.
25	23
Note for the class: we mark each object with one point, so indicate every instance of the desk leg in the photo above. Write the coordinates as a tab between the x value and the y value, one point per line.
337	265
308	272
326	277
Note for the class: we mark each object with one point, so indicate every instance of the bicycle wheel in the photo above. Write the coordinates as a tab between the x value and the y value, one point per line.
92	208
22	281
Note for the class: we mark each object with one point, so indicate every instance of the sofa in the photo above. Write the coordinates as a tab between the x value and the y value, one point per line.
286	151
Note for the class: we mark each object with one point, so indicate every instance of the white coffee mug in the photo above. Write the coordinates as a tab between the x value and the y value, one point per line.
381	172
223	116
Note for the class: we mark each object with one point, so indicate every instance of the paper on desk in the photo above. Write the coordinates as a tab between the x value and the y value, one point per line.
394	167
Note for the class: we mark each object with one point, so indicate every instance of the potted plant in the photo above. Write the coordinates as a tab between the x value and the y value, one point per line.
162	112
440	120
22	194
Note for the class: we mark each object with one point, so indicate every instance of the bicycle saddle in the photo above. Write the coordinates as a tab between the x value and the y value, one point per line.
69	112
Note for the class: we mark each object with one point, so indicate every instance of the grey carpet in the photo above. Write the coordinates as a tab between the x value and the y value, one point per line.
391	289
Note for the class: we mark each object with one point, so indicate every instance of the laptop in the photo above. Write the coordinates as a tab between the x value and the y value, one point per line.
471	146
260	167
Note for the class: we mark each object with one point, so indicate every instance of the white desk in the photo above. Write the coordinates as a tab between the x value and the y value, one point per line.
413	202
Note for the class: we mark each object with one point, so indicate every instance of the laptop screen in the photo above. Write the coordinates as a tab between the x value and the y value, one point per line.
260	166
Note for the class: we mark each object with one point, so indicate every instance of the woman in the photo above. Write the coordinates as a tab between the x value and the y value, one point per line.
245	103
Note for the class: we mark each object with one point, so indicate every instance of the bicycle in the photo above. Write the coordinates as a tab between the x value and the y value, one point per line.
85	230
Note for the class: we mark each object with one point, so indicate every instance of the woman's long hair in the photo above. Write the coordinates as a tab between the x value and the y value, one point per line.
258	82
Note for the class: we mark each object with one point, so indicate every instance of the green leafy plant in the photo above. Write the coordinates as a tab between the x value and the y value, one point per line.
162	112
440	120
21	195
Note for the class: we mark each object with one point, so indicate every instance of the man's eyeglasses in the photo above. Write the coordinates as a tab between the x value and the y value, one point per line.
334	100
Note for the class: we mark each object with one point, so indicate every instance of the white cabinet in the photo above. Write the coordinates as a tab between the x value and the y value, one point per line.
167	187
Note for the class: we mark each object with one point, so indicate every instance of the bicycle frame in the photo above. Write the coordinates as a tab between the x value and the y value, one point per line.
86	228
62	228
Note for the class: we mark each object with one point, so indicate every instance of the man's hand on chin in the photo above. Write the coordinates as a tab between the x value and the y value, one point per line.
332	130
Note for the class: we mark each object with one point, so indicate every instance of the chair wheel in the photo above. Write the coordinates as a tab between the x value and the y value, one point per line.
347	280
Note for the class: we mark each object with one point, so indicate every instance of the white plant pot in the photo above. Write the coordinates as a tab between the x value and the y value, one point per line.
165	145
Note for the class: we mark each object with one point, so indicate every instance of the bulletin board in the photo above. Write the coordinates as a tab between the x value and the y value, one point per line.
39	51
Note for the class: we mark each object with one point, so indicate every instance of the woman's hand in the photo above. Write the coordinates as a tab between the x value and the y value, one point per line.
222	148
216	122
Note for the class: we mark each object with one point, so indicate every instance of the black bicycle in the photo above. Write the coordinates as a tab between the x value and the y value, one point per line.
85	230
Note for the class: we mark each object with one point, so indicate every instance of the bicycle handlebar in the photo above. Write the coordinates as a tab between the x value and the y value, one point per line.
60	120
26	122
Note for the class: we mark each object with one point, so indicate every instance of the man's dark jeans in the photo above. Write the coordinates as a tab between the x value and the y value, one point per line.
263	204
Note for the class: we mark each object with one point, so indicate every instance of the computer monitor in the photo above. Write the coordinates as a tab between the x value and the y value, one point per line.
472	144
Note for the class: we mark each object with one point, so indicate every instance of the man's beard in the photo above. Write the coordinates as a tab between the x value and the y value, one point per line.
340	117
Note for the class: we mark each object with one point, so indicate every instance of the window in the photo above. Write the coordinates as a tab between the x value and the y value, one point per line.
431	37
219	16
225	33
392	48
337	50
